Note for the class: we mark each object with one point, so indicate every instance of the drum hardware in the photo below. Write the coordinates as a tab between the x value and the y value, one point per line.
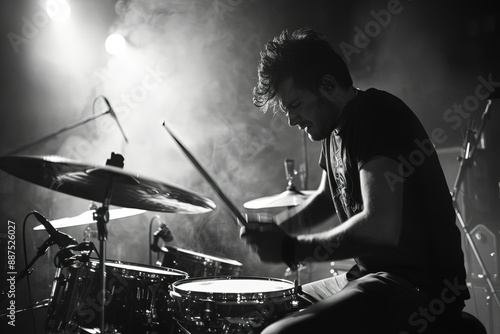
85	248
89	233
470	144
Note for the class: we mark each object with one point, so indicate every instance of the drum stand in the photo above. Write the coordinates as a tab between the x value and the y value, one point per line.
470	144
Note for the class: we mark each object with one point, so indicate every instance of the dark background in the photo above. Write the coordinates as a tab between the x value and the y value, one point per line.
193	64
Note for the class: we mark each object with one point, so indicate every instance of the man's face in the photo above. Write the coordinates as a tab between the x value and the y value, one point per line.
308	111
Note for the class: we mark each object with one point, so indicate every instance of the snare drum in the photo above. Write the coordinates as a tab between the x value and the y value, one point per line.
232	304
137	297
197	264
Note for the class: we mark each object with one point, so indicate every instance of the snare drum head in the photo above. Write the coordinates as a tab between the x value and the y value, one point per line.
242	285
232	287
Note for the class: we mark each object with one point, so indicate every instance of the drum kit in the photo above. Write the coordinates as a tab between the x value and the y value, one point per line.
184	292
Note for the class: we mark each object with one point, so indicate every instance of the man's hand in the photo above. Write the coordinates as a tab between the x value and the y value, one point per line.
264	237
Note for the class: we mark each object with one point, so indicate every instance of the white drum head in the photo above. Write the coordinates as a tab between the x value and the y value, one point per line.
234	285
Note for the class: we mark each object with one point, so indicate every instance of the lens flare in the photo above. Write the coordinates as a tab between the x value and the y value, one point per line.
115	44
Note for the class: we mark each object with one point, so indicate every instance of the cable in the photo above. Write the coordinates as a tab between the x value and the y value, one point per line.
28	276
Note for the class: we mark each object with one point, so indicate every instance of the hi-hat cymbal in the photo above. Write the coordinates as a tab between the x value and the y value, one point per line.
290	197
91	182
87	217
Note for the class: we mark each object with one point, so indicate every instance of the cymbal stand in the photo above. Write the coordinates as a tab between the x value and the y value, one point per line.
470	144
101	217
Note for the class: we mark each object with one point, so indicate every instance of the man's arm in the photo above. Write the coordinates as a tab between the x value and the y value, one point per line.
316	210
378	225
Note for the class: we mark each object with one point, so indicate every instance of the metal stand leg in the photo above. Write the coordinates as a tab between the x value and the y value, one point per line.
477	256
470	145
101	217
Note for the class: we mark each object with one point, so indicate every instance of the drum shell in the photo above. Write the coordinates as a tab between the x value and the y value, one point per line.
197	264
137	297
232	311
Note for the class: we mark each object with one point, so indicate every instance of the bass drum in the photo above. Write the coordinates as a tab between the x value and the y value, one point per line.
137	298
197	264
228	305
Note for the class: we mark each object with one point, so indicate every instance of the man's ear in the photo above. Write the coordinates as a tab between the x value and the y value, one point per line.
328	86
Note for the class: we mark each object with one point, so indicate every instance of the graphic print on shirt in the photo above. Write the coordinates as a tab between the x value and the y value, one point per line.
342	178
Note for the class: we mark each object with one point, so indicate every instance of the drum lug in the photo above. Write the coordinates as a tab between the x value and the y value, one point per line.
208	311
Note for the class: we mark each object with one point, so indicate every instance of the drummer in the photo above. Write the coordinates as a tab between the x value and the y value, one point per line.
383	180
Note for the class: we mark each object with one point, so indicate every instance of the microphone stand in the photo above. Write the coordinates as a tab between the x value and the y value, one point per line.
69	127
470	144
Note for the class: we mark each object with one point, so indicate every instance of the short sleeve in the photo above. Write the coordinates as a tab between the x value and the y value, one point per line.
383	131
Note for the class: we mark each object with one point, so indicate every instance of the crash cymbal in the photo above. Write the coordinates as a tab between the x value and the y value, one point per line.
290	197
91	182
87	217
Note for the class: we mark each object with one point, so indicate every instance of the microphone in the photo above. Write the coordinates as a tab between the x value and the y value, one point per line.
113	114
63	240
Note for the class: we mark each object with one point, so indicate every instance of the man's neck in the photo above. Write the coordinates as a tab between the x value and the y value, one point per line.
350	94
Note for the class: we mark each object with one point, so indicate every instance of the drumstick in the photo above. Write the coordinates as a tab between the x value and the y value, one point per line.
241	220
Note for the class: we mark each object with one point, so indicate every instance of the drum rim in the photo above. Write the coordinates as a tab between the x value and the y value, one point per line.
202	256
176	291
143	273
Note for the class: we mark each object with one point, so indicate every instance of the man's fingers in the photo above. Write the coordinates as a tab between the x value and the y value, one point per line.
242	231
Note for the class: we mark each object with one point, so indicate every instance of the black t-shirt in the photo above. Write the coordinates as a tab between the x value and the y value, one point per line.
376	123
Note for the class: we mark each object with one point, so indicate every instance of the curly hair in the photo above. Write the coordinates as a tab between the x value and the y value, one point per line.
304	55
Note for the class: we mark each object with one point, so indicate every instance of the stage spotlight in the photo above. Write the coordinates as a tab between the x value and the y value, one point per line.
115	44
58	10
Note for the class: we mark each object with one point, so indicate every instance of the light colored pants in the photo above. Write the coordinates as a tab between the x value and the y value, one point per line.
325	288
